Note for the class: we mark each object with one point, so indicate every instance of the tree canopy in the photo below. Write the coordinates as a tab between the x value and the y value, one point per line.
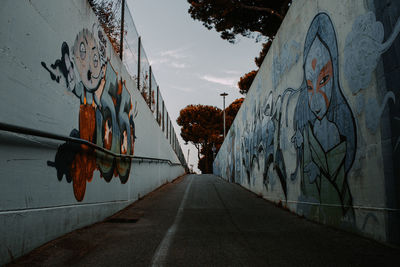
231	111
202	125
246	81
249	18
264	51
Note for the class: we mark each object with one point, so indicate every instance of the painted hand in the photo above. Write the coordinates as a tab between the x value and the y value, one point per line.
313	171
297	139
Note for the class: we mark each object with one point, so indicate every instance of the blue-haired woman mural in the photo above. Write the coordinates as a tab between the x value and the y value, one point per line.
325	130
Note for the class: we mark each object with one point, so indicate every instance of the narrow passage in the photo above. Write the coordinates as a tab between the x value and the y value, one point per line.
202	220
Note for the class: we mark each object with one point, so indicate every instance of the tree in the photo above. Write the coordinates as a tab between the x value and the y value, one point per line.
246	81
249	18
264	51
231	111
106	11
203	126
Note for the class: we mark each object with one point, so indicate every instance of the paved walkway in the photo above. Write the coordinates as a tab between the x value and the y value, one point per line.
201	220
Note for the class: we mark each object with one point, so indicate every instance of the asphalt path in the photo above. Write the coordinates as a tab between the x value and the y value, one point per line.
202	220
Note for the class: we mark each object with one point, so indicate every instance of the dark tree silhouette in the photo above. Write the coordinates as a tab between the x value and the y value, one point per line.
246	81
258	19
231	111
264	51
249	18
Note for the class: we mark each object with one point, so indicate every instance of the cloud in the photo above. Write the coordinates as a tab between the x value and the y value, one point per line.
178	65
172	58
183	89
233	72
168	62
228	81
178	53
158	61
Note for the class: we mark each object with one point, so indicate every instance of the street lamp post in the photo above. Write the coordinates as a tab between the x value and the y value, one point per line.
223	96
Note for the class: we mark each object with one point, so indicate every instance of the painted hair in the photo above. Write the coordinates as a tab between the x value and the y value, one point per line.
339	111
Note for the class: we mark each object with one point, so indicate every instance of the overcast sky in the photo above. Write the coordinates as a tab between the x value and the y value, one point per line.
191	64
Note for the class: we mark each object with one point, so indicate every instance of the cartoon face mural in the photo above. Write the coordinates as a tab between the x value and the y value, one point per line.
325	131
106	115
87	60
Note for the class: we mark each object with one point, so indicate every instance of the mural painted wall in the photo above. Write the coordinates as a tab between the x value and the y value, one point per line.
311	132
60	75
106	115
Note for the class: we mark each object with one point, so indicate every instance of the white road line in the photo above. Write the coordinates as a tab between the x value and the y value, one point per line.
160	256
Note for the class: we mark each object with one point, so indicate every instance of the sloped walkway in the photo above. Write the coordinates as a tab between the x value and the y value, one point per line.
201	220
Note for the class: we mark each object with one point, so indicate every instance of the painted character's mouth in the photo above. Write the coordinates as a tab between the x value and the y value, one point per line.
89	75
95	77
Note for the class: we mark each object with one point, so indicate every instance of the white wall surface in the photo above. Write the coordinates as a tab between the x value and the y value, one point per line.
36	205
275	146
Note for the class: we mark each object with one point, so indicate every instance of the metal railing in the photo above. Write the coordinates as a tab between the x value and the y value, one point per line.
33	132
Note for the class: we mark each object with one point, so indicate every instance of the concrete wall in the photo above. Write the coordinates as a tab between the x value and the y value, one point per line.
59	74
318	131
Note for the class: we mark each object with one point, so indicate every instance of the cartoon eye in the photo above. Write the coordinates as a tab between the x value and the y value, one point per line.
309	88
95	60
324	80
82	50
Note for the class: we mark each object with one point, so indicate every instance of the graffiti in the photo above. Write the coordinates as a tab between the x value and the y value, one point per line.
374	111
363	49
261	144
325	129
287	58
311	144
271	141
63	65
106	114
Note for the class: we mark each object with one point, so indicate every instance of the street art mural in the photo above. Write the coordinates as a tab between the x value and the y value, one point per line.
324	125
106	114
363	48
289	56
300	144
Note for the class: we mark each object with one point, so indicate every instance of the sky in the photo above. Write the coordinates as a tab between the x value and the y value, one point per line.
192	65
